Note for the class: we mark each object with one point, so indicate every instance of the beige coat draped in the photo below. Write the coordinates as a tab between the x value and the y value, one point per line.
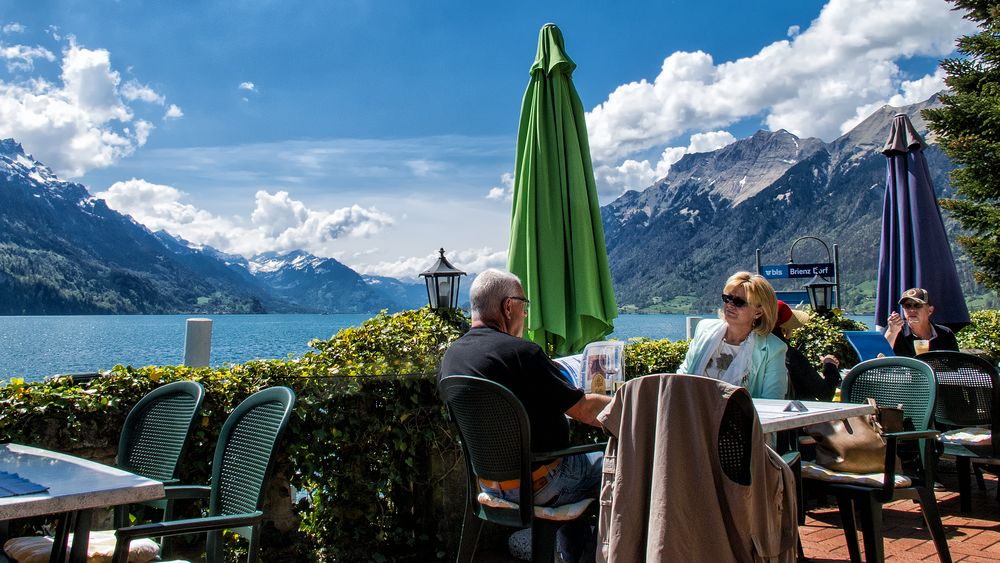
665	496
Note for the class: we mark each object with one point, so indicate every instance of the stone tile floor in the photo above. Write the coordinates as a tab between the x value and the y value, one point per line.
972	537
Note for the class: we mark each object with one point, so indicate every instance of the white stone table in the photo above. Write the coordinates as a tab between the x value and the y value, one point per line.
76	486
774	417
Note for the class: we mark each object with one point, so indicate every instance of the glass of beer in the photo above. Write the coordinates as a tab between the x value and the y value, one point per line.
921	346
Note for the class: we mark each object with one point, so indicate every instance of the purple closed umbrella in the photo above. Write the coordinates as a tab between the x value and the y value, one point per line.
914	250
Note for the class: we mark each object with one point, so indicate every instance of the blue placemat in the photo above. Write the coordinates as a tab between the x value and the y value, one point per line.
12	484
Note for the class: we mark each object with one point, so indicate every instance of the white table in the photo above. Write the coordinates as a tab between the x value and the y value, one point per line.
76	486
774	418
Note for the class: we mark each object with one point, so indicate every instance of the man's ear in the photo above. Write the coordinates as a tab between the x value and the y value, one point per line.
930	310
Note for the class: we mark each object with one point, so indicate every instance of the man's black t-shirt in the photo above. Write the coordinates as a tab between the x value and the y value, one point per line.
522	367
945	340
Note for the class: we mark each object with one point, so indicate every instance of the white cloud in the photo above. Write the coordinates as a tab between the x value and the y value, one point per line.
132	91
83	122
21	58
248	86
505	191
470	260
911	92
423	167
277	222
810	84
173	112
13	27
633	174
793	30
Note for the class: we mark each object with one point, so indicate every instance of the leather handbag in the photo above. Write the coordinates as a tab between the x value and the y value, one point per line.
853	445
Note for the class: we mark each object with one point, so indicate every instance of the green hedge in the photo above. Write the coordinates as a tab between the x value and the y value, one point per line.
369	450
983	334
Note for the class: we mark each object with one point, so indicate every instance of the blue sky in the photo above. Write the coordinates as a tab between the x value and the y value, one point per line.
375	132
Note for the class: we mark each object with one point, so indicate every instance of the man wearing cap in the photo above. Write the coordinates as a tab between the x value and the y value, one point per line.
917	325
807	383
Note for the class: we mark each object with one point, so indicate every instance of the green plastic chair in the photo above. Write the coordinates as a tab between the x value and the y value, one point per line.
243	459
890	381
155	434
968	395
496	436
153	440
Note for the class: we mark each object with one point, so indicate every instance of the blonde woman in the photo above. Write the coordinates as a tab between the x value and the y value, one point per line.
739	348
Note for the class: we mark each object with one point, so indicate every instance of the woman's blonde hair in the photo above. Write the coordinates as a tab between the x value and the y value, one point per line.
760	294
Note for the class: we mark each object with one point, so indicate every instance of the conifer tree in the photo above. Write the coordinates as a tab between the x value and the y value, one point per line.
968	130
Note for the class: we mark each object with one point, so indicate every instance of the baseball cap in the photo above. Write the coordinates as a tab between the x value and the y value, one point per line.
915	294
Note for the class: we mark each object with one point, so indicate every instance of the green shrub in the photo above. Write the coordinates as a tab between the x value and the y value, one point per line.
983	334
825	335
369	448
644	356
368	445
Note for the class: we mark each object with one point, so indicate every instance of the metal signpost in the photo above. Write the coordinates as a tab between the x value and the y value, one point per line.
829	271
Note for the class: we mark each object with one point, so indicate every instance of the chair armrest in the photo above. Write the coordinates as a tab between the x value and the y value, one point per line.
125	536
175	492
914	435
581	449
187	526
791	458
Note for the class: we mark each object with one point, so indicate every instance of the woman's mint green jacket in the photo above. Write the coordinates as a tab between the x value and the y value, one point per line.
768	375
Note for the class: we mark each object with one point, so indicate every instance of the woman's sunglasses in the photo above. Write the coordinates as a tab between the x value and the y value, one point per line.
736	301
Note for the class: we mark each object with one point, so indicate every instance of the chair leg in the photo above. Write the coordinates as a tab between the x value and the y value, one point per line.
929	507
846	507
470	536
871	529
978	468
253	550
964	482
543	540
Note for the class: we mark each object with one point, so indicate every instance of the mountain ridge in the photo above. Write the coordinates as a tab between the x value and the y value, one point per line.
702	227
64	251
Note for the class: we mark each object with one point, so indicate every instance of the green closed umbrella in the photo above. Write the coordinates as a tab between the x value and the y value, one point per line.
557	241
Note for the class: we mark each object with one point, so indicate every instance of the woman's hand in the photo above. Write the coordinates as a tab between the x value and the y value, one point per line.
830	359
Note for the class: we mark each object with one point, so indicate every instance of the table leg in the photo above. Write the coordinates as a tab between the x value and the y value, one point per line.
63	523
81	537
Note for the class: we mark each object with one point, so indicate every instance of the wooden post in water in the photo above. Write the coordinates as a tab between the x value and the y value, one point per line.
198	343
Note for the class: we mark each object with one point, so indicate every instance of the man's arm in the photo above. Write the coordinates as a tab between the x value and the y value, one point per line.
587	408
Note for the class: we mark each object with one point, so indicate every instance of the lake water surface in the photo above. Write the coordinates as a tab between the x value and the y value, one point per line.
37	346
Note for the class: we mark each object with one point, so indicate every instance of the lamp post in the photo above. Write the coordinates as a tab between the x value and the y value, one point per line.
442	281
820	292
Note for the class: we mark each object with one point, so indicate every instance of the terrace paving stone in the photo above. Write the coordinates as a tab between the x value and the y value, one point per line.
973	537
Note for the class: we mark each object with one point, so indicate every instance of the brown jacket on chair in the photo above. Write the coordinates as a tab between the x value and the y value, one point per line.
665	495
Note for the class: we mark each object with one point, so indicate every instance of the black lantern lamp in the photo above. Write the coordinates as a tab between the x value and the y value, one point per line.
820	292
442	283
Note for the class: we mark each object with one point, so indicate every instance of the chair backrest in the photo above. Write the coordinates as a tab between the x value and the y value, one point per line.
968	393
245	451
496	438
156	430
735	438
894	381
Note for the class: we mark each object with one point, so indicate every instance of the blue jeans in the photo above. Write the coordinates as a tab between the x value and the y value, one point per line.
577	477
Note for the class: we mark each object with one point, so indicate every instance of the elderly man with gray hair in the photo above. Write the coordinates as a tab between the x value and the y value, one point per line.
494	349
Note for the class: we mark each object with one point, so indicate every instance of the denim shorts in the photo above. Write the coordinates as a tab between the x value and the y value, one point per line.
577	477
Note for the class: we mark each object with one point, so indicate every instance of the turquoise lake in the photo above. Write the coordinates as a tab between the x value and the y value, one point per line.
38	346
